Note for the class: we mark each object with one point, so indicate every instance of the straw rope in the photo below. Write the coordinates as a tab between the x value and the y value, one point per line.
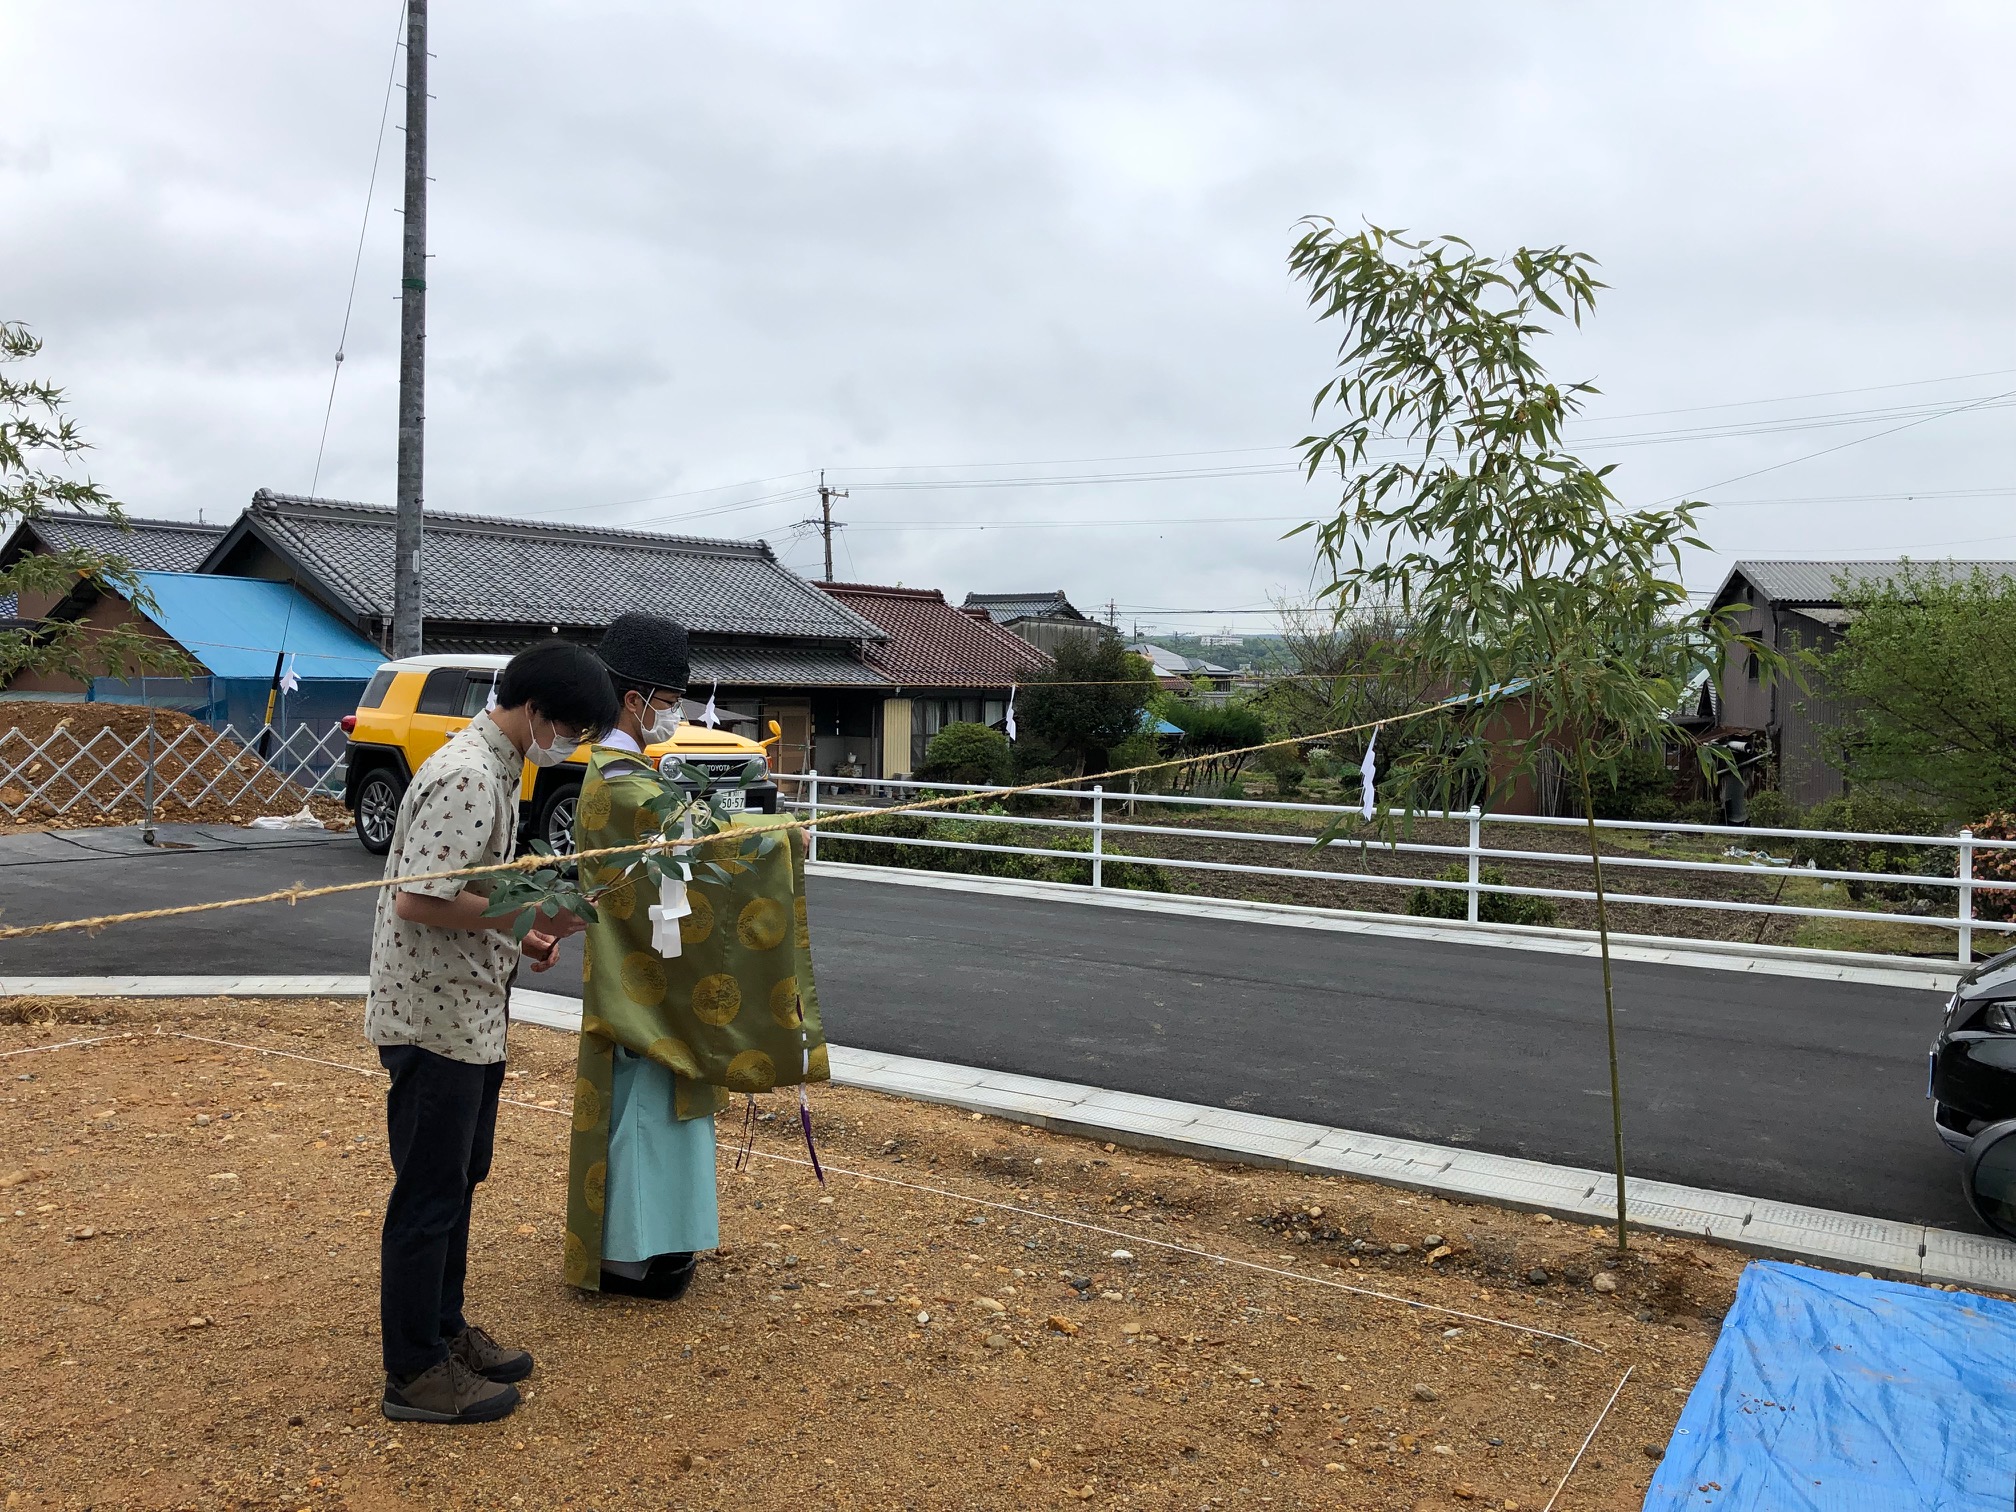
297	893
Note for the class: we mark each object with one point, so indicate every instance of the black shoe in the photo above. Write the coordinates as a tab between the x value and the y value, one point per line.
489	1359
666	1280
448	1393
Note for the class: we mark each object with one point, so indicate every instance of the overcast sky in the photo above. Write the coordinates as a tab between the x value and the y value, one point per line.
680	247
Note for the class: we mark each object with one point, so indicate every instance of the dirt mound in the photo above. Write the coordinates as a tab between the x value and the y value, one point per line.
198	776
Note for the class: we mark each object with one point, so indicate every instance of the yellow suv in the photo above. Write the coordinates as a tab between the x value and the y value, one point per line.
413	705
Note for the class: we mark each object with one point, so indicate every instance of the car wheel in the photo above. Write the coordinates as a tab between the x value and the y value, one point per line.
555	824
378	810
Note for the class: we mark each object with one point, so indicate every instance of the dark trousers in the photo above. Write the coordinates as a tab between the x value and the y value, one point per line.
440	1119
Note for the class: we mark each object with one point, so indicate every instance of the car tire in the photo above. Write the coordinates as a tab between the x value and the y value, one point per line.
378	796
554	822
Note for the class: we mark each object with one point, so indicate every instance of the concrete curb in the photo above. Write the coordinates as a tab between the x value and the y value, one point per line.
1908	1251
1658	950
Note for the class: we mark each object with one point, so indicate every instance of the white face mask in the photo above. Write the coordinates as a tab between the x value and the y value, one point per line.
541	754
664	724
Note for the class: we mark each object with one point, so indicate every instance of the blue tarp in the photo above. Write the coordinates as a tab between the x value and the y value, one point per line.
237	626
1833	1392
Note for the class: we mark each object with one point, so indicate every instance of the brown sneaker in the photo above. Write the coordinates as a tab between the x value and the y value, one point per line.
448	1393
489	1359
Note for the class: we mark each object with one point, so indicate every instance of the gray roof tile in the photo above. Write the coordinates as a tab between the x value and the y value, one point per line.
780	666
1795	582
148	545
487	569
1004	607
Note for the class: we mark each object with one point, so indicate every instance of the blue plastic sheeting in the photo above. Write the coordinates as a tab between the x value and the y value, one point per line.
1834	1392
237	627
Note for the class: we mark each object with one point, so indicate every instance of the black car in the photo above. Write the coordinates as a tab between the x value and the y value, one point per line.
1973	1081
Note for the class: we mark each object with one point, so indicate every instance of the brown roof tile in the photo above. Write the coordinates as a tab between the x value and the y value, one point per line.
935	644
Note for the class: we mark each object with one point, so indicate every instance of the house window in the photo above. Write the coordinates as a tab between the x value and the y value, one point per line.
1751	669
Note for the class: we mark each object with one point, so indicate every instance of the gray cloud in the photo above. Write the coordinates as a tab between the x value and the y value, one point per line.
680	245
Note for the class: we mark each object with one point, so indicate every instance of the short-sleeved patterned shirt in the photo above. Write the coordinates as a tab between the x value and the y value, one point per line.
445	989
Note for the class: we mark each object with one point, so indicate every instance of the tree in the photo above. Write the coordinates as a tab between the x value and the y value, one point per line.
1089	701
1221	735
1515	568
973	753
1926	682
37	439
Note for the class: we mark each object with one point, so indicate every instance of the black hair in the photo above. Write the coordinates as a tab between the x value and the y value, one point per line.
567	682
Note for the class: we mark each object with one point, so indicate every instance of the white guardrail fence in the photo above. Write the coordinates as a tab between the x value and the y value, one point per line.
810	793
65	773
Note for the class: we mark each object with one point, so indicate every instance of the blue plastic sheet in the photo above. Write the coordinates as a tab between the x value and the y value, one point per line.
1838	1393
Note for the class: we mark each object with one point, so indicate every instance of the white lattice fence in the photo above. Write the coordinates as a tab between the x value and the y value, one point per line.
195	767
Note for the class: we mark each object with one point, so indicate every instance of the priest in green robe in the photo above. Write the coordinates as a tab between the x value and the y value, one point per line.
690	993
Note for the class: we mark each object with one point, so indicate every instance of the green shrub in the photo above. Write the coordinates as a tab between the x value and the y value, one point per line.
1492	908
1875	814
1285	764
1641	780
1118	872
1699	811
1771	809
974	753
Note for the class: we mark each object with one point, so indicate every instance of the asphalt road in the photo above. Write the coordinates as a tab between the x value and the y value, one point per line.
1776	1087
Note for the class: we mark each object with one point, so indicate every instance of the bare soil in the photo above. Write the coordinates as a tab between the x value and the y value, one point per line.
246	789
189	1230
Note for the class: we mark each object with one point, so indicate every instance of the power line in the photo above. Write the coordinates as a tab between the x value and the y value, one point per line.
1857	441
357	263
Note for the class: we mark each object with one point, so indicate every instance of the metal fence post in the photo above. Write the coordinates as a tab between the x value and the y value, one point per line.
1966	904
1476	839
1098	835
812	834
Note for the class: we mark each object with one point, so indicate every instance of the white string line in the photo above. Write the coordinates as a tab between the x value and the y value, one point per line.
1586	1442
1006	1207
1185	1249
67	1044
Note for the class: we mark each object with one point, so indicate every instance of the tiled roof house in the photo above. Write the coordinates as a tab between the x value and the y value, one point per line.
946	666
765	641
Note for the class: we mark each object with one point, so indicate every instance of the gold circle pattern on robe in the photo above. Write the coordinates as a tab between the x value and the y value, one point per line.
588	965
643	978
816	1065
574	1260
784	1002
587	1105
697	925
595	1186
593	811
751	1071
761	924
675	1054
620	900
717	999
804	930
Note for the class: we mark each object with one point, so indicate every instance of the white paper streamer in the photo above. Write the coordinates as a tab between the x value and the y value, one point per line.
1368	769
665	917
1011	712
711	718
290	681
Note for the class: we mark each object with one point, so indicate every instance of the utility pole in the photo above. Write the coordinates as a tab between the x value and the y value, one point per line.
1112	616
824	524
408	603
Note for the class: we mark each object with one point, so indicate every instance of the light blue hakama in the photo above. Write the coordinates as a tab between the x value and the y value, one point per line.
660	1194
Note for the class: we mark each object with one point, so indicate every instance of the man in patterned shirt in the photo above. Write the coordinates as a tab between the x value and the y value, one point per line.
437	1011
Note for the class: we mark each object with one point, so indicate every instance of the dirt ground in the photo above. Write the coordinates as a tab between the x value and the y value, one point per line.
241	796
190	1234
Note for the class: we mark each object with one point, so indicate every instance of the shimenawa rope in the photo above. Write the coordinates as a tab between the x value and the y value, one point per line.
297	893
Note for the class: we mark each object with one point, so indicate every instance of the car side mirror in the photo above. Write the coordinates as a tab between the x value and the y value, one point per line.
1990	1178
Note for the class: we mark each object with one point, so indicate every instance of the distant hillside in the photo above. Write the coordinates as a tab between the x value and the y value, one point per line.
1254	653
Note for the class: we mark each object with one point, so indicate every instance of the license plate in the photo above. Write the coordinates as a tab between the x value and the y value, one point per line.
734	800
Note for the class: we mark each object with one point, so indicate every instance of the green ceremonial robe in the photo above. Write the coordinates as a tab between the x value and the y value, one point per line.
735	1011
